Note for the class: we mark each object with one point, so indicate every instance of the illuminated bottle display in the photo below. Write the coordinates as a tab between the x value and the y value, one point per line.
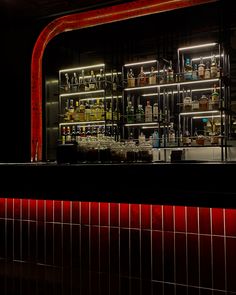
152	79
188	70
214	69
130	112
201	69
170	73
130	78
82	82
63	135
142	79
92	82
140	114
148	112
207	74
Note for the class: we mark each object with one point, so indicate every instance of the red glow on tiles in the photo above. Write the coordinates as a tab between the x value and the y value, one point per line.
85	216
114	214
217	221
134	216
230	222
49	211
180	219
104	212
145	216
66	211
2	208
79	21
124	215
157	217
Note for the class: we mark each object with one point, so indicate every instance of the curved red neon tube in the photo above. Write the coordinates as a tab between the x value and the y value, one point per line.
79	21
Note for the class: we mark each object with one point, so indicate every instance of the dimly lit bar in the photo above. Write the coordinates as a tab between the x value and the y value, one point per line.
119	178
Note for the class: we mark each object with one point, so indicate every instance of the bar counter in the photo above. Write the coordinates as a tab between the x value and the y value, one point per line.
184	183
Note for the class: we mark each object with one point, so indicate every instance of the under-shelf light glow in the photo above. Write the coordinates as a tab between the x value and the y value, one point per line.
199	113
140	124
140	63
81	93
206	57
199	81
197	46
100	98
155	126
82	68
84	123
141	87
213	116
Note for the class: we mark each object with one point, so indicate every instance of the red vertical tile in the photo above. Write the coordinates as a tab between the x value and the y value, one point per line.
230	222
2	239
66	211
49	211
205	262
40	209
231	264
217	221
9	208
204	221
193	267
218	263
124	215
157	256
85	251
2	207
180	258
168	257
145	216
146	254
135	253
75	246
134	216
94	240
114	251
49	244
25	207
94	213
168	218
180	219
124	252
76	212
156	217
192	220
66	240
84	213
114	214
104	213
57	245
32	205
17	209
25	240
57	211
40	243
104	249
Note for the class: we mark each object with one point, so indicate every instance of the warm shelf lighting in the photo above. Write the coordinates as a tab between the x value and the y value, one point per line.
84	123
81	93
213	116
140	63
82	68
100	98
199	81
140	124
199	113
142	87
197	46
206	57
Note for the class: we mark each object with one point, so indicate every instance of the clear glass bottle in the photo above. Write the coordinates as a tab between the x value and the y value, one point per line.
67	82
187	100
148	112
195	72
92	81
101	79
152	79
71	110
130	112
215	98
82	82
81	112
130	78
214	68
155	139
188	70
155	111
140	114
142	80
170	73
195	104
172	134
114	80
201	69
207	74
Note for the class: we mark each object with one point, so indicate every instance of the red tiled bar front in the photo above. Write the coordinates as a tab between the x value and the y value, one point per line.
116	248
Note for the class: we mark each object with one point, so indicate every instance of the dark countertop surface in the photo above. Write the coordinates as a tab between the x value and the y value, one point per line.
185	183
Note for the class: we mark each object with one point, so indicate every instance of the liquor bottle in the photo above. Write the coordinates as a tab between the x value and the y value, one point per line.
188	70
74	82
78	134
203	103
130	112
76	113
215	98
195	104
130	78
98	113
142	80
141	138
162	75
68	135
155	111
114	80
187	100
82	83
87	112
195	72
207	74
92	82
171	134
155	139
92	111
116	115
71	110
63	135
101	80
66	112
148	112
186	138
67	85
152	79
201	69
73	134
170	73
214	68
81	112
109	112
140	114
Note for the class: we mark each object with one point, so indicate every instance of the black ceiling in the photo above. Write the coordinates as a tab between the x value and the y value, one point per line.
41	9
